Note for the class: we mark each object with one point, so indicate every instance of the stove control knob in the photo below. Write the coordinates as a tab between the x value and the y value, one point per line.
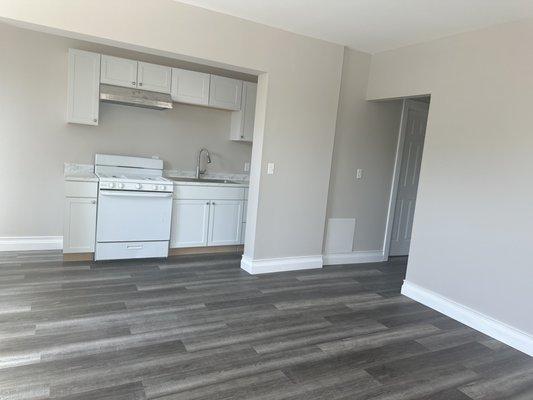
161	187
111	185
121	186
154	187
138	186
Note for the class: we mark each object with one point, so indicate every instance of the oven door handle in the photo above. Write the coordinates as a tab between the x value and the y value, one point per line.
133	194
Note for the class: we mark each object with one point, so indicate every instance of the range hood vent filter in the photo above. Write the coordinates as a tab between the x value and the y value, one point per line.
135	97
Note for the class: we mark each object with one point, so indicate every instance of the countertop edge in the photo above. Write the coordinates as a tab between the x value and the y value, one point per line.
74	178
236	185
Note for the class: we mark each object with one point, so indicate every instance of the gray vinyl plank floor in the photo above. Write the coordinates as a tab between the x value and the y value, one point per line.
198	327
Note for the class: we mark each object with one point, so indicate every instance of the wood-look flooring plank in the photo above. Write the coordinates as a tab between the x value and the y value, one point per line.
515	385
198	327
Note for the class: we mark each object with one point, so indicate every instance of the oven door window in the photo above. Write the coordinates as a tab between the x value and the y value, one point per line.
133	216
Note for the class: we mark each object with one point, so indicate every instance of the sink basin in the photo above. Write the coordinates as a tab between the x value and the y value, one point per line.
201	180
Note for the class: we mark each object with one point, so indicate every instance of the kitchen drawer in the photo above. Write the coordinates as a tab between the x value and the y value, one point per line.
81	189
190	192
113	250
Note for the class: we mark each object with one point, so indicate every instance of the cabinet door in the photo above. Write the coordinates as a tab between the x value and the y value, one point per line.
244	213
243	233
118	71
244	210
83	87
225	222
248	103
190	87
79	225
190	223
156	78
225	93
242	121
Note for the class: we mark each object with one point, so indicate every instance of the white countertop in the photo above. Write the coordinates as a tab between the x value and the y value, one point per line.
80	173
203	183
85	173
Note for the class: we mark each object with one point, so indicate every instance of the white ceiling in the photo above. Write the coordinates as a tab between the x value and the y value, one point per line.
374	25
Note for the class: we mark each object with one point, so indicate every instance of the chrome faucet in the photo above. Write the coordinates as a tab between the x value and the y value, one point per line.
199	171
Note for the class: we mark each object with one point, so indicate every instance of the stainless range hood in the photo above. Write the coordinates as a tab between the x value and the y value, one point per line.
135	97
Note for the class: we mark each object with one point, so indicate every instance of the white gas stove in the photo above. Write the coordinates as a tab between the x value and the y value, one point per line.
134	208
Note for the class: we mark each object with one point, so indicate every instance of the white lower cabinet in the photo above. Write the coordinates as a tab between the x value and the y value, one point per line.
243	232
79	225
190	223
207	216
244	213
225	222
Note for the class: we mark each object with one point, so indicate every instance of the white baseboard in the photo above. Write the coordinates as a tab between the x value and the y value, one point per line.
489	326
354	257
22	243
280	264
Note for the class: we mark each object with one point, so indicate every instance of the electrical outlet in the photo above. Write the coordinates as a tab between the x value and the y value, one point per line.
359	174
246	167
270	168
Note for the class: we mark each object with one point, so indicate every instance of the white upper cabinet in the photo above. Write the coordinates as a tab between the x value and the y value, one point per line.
86	71
250	92
190	87
83	87
156	78
242	121
130	73
118	71
225	93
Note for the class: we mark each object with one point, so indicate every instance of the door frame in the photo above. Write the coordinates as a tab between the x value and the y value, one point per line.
407	103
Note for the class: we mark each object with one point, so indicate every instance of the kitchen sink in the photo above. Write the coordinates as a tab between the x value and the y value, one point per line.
201	180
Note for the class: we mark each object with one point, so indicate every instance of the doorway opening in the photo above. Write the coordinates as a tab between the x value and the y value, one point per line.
406	175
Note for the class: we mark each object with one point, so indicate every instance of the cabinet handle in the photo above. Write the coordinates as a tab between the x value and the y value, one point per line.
133	83
207	203
93	202
140	83
213	203
95	120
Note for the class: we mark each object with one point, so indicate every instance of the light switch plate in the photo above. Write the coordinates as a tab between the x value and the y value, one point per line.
246	167
359	173
270	168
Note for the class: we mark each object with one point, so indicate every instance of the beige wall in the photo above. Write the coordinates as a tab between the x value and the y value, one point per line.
474	215
366	137
301	94
35	141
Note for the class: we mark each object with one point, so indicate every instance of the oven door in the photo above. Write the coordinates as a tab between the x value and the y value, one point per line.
127	216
